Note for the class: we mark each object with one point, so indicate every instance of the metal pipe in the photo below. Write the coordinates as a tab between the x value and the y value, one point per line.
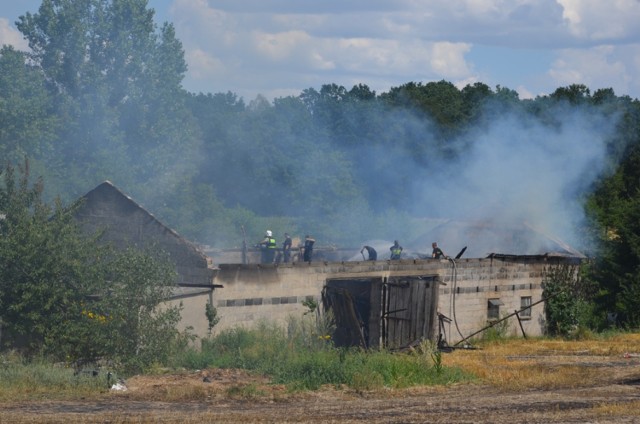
502	319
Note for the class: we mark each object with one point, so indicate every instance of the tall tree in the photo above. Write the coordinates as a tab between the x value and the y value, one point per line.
574	94
614	207
117	81
27	124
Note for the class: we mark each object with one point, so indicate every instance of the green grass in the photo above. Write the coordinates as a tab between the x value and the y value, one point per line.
249	391
302	360
22	380
301	357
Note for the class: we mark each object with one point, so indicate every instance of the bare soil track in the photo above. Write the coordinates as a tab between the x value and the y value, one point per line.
232	396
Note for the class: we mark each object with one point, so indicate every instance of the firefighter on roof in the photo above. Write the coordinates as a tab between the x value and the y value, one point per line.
396	250
268	248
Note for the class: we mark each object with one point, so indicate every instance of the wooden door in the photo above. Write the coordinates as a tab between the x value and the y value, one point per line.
408	311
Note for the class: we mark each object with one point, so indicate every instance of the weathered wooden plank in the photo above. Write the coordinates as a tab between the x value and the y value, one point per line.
410	309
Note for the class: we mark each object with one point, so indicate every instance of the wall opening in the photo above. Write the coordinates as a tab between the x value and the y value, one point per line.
393	312
493	309
525	302
350	302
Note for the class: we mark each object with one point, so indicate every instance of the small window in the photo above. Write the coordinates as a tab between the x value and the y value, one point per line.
493	309
525	302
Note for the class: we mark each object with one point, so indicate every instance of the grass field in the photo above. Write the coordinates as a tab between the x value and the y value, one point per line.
502	381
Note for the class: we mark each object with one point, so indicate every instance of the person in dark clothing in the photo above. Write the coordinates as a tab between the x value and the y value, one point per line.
268	248
308	247
286	248
437	252
396	250
371	253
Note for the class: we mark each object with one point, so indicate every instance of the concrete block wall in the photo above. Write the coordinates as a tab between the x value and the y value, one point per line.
268	292
253	293
469	287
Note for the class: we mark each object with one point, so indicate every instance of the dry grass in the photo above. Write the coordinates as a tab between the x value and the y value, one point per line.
544	364
189	387
518	381
119	418
611	410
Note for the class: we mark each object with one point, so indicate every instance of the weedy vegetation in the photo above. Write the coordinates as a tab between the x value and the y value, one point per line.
303	357
22	380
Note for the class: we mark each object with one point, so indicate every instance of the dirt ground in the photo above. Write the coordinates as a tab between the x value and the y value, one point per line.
233	396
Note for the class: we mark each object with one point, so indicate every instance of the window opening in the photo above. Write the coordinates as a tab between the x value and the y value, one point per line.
525	301
493	309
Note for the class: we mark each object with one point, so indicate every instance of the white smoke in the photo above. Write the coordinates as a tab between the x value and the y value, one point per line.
518	170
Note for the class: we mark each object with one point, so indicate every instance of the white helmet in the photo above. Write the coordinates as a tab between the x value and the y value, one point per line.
268	233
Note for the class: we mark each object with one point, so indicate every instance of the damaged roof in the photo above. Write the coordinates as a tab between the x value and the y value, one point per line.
483	239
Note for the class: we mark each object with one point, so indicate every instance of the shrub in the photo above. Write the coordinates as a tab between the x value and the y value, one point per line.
67	296
301	360
566	308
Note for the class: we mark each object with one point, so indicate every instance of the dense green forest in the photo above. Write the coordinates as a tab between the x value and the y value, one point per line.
99	97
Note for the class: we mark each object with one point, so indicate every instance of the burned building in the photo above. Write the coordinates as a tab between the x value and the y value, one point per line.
493	271
375	303
394	303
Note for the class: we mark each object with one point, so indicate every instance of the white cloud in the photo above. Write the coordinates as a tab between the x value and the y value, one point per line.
286	45
448	59
597	20
10	35
524	93
598	67
233	47
203	65
280	46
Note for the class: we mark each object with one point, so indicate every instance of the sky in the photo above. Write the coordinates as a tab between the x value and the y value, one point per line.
277	48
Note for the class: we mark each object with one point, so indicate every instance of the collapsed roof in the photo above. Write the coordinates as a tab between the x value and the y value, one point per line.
483	239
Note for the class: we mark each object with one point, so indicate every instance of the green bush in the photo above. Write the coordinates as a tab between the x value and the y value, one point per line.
294	358
568	307
73	298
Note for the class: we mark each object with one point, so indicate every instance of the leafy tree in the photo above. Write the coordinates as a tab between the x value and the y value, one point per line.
612	207
116	80
278	157
211	312
136	331
444	102
202	217
27	123
574	94
474	98
64	294
441	101
506	94
615	209
362	93
228	147
43	274
604	95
